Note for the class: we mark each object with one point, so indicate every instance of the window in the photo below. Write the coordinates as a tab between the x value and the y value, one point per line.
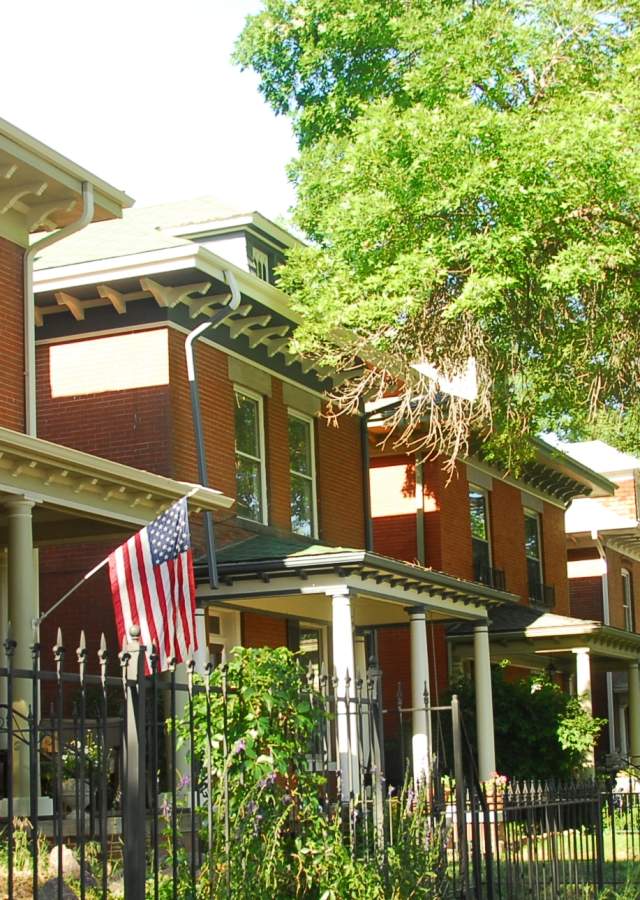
251	489
479	513
533	552
627	600
260	264
303	475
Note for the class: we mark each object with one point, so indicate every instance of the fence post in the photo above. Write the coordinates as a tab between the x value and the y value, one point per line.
458	771
134	825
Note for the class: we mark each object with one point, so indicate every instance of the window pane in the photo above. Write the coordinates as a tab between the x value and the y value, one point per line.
300	445
531	537
481	561
301	505
478	512
247	428
248	489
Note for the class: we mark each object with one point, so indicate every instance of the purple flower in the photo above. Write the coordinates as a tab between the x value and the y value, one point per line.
287	799
239	747
266	782
184	782
252	806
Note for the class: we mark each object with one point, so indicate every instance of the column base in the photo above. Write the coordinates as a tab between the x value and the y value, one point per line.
22	807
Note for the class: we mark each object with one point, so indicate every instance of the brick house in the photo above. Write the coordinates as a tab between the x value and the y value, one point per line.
603	552
478	523
50	495
114	306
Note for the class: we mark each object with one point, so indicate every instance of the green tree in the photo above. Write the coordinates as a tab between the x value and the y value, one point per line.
469	180
541	732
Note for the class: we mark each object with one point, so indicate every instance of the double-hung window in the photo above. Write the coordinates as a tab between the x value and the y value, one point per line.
533	552
302	471
480	540
251	488
627	600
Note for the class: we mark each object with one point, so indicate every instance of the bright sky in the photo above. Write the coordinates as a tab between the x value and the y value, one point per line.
143	94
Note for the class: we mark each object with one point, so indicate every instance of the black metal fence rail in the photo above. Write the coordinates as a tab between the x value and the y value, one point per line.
125	796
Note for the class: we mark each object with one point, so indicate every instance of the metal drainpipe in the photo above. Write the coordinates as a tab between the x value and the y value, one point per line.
192	337
86	217
366	482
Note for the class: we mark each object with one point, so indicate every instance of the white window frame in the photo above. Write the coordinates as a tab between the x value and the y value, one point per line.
262	460
260	264
294	414
534	514
627	599
487	510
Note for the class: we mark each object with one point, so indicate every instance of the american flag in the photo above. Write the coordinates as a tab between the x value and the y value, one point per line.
152	585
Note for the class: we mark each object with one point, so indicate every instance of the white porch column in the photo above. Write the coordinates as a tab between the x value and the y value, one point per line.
623	747
344	665
23	608
634	713
484	703
202	654
583	690
4	620
421	732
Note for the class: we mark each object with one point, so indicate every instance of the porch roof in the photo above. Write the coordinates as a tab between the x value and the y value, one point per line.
83	497
269	565
523	633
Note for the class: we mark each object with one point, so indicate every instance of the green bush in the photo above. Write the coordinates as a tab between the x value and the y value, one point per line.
286	839
541	732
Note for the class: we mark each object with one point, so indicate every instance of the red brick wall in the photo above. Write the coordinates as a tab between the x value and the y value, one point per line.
11	307
455	523
129	426
623	502
263	631
507	533
586	598
555	556
277	438
340	482
393	506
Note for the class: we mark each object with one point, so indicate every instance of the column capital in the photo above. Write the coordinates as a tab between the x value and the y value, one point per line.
18	505
339	590
481	626
634	665
416	612
581	650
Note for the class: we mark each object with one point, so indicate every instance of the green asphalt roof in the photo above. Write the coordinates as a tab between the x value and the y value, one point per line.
273	547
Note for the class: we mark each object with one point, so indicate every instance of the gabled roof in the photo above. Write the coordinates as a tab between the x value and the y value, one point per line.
601	457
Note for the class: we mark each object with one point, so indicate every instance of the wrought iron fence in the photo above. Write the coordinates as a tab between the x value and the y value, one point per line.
99	769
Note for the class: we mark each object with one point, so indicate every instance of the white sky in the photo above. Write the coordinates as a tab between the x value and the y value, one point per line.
143	94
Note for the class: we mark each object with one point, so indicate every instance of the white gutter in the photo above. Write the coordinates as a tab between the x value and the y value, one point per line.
86	217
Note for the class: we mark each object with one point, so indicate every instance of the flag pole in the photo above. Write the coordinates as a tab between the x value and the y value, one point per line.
37	622
40	619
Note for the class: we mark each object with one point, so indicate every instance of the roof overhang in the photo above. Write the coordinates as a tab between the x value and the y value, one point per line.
557	638
189	278
41	190
77	495
245	221
269	584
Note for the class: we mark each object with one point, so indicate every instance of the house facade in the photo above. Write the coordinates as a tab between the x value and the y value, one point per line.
50	495
603	553
478	523
115	306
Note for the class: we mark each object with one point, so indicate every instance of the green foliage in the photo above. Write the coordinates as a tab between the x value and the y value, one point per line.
286	838
578	729
469	177
541	732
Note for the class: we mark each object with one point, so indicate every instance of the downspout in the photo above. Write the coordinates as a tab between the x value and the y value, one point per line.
86	217
366	482
420	552
192	337
606	616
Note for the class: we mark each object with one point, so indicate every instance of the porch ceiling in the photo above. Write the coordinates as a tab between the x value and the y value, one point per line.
290	577
83	497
